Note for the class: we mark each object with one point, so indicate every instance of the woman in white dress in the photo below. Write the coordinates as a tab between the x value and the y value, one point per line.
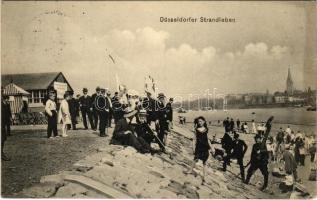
64	115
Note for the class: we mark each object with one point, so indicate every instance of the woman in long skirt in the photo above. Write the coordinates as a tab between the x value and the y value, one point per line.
64	115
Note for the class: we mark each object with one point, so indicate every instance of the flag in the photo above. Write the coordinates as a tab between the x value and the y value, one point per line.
149	85
112	59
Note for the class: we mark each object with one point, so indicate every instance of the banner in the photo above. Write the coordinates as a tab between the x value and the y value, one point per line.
60	88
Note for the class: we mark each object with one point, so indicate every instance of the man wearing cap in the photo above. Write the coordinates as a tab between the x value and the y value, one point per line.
162	121
169	110
73	106
85	107
50	110
95	114
124	132
238	150
259	160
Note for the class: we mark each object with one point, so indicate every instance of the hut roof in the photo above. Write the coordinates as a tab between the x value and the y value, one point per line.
12	89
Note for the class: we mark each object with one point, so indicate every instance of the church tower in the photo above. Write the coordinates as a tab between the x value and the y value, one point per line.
289	83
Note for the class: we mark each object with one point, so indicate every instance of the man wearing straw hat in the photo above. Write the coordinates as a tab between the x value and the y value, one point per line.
124	132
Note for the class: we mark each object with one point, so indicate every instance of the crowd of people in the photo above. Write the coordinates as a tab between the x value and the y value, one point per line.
286	149
133	116
141	121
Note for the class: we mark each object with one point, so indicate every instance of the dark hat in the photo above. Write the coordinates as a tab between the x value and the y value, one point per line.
161	95
85	90
171	99
97	88
257	136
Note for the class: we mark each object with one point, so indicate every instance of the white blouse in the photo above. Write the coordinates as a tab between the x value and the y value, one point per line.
50	105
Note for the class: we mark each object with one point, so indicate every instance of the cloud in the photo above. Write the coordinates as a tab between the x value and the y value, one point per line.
84	58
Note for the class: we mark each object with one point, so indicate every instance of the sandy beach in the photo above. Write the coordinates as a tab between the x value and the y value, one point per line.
64	164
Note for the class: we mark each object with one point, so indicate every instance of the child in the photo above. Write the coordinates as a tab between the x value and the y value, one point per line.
50	109
201	144
64	115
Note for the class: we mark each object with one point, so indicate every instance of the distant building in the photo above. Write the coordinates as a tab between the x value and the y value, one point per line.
289	83
280	99
37	84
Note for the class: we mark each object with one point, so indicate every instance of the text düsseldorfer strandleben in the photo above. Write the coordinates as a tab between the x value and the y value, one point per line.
195	19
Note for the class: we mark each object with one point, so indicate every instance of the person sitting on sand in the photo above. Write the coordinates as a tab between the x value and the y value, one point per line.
124	133
142	128
290	164
201	144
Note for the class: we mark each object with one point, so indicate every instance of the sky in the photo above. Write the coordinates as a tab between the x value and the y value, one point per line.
250	55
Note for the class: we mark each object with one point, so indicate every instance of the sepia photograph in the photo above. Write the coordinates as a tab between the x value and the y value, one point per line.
158	99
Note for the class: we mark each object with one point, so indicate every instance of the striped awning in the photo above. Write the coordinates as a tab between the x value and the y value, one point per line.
12	90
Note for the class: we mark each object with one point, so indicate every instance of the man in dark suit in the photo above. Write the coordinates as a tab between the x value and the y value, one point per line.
103	107
116	107
94	109
124	133
162	120
5	124
226	124
239	148
227	144
86	108
259	160
169	110
231	125
73	106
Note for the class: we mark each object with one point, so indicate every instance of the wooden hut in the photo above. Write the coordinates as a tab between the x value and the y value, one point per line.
16	97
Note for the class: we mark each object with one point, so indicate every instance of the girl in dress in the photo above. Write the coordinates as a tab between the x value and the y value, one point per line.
201	143
64	115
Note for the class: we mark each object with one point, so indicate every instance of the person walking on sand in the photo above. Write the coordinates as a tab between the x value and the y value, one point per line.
226	144
50	110
259	160
239	148
201	144
64	114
